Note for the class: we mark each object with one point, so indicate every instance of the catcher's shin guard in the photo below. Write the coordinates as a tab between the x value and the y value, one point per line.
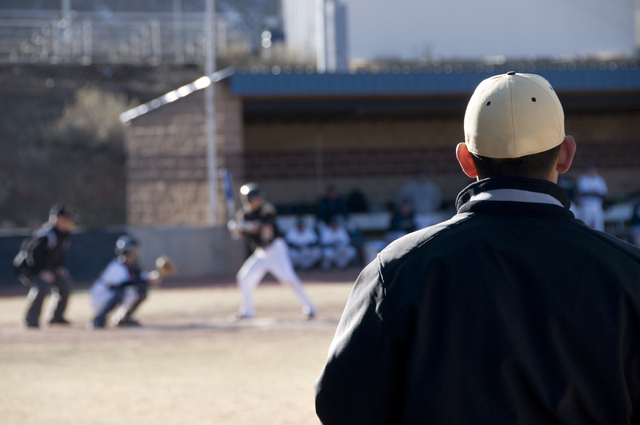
116	299
123	314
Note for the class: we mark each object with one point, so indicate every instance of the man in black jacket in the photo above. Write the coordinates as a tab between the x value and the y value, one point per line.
40	266
511	312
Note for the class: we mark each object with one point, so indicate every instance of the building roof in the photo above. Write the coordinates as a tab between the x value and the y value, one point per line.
428	80
302	93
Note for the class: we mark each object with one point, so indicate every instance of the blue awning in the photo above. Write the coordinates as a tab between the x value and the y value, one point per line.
425	81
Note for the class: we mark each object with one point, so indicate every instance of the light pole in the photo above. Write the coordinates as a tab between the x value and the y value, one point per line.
209	108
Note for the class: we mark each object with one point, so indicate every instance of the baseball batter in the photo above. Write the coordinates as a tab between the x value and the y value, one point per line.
121	284
256	221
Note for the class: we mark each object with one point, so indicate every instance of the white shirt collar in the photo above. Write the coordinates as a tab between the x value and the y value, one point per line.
516	195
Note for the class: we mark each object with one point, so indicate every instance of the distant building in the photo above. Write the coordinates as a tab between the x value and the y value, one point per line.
637	26
299	23
316	31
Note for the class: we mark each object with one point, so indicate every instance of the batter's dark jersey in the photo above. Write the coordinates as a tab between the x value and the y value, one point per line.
266	214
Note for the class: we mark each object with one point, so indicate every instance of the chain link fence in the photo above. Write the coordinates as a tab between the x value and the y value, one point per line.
90	37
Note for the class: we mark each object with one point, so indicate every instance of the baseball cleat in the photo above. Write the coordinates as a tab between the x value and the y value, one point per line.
128	322
93	326
236	317
309	313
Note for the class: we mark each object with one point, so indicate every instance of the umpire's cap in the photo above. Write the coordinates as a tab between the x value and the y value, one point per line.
62	209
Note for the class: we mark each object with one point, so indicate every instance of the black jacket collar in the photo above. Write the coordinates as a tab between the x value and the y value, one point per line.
464	202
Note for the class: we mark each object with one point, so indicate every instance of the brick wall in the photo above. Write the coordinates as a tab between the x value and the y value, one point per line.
295	161
612	141
167	180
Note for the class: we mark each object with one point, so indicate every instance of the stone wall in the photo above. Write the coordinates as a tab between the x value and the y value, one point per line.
196	251
295	161
612	141
167	180
167	183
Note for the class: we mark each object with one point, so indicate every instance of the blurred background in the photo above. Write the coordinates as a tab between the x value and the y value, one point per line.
355	94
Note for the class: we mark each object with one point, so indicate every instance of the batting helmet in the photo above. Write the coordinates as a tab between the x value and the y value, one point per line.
125	244
249	191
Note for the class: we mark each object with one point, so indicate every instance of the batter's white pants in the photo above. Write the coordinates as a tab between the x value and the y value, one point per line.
274	259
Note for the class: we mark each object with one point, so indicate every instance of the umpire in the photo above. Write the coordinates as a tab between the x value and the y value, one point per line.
40	266
512	311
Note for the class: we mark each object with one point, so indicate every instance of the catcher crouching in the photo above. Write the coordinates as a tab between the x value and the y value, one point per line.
123	285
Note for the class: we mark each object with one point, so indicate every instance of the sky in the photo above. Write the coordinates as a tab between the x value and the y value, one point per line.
473	29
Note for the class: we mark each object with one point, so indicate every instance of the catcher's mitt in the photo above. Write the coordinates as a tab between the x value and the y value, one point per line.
165	267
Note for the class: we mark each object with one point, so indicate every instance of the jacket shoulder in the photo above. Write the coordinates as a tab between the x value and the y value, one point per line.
623	247
398	251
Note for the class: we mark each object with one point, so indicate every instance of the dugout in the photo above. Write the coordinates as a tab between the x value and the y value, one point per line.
295	131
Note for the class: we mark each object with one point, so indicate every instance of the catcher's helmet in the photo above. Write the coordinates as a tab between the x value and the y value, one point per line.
125	244
249	191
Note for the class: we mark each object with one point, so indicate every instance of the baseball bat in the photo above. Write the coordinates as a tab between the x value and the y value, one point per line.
225	176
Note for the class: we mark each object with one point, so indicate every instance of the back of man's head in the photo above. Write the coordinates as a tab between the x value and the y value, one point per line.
514	125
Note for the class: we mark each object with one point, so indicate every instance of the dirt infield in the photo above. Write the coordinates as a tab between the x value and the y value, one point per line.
186	365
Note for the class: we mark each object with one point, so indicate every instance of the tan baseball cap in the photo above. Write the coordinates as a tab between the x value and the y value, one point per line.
513	115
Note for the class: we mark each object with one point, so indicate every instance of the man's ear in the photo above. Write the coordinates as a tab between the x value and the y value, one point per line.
465	159
565	156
